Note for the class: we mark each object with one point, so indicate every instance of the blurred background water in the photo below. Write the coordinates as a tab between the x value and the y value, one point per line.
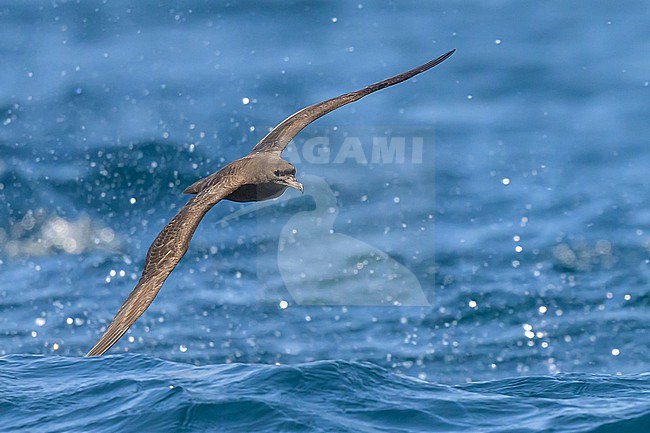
526	221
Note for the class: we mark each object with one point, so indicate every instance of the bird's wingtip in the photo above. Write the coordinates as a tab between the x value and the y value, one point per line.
91	353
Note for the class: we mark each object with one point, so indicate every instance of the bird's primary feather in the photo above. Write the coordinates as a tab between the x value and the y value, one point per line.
283	133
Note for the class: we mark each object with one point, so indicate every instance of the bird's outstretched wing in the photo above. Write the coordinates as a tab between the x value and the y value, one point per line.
283	133
163	256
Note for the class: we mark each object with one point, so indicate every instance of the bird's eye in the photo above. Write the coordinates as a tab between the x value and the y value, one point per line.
277	173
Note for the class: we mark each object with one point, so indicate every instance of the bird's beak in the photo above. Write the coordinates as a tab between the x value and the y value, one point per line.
293	183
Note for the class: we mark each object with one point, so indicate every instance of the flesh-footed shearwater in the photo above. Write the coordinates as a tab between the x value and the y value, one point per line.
260	175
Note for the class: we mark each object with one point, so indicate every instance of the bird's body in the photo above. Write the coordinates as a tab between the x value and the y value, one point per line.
260	175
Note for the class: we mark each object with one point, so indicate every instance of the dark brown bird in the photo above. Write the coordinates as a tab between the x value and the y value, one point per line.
260	175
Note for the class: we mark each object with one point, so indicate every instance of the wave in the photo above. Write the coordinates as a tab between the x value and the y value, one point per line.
141	393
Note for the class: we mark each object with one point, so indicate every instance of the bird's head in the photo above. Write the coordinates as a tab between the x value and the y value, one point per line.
283	173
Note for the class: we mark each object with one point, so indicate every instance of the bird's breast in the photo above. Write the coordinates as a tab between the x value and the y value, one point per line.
256	192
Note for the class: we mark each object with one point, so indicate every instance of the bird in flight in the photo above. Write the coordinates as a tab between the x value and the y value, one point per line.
260	175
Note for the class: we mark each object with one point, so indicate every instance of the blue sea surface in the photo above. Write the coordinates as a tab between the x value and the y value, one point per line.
495	277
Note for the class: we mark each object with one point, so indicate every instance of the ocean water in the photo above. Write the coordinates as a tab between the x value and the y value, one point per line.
495	277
